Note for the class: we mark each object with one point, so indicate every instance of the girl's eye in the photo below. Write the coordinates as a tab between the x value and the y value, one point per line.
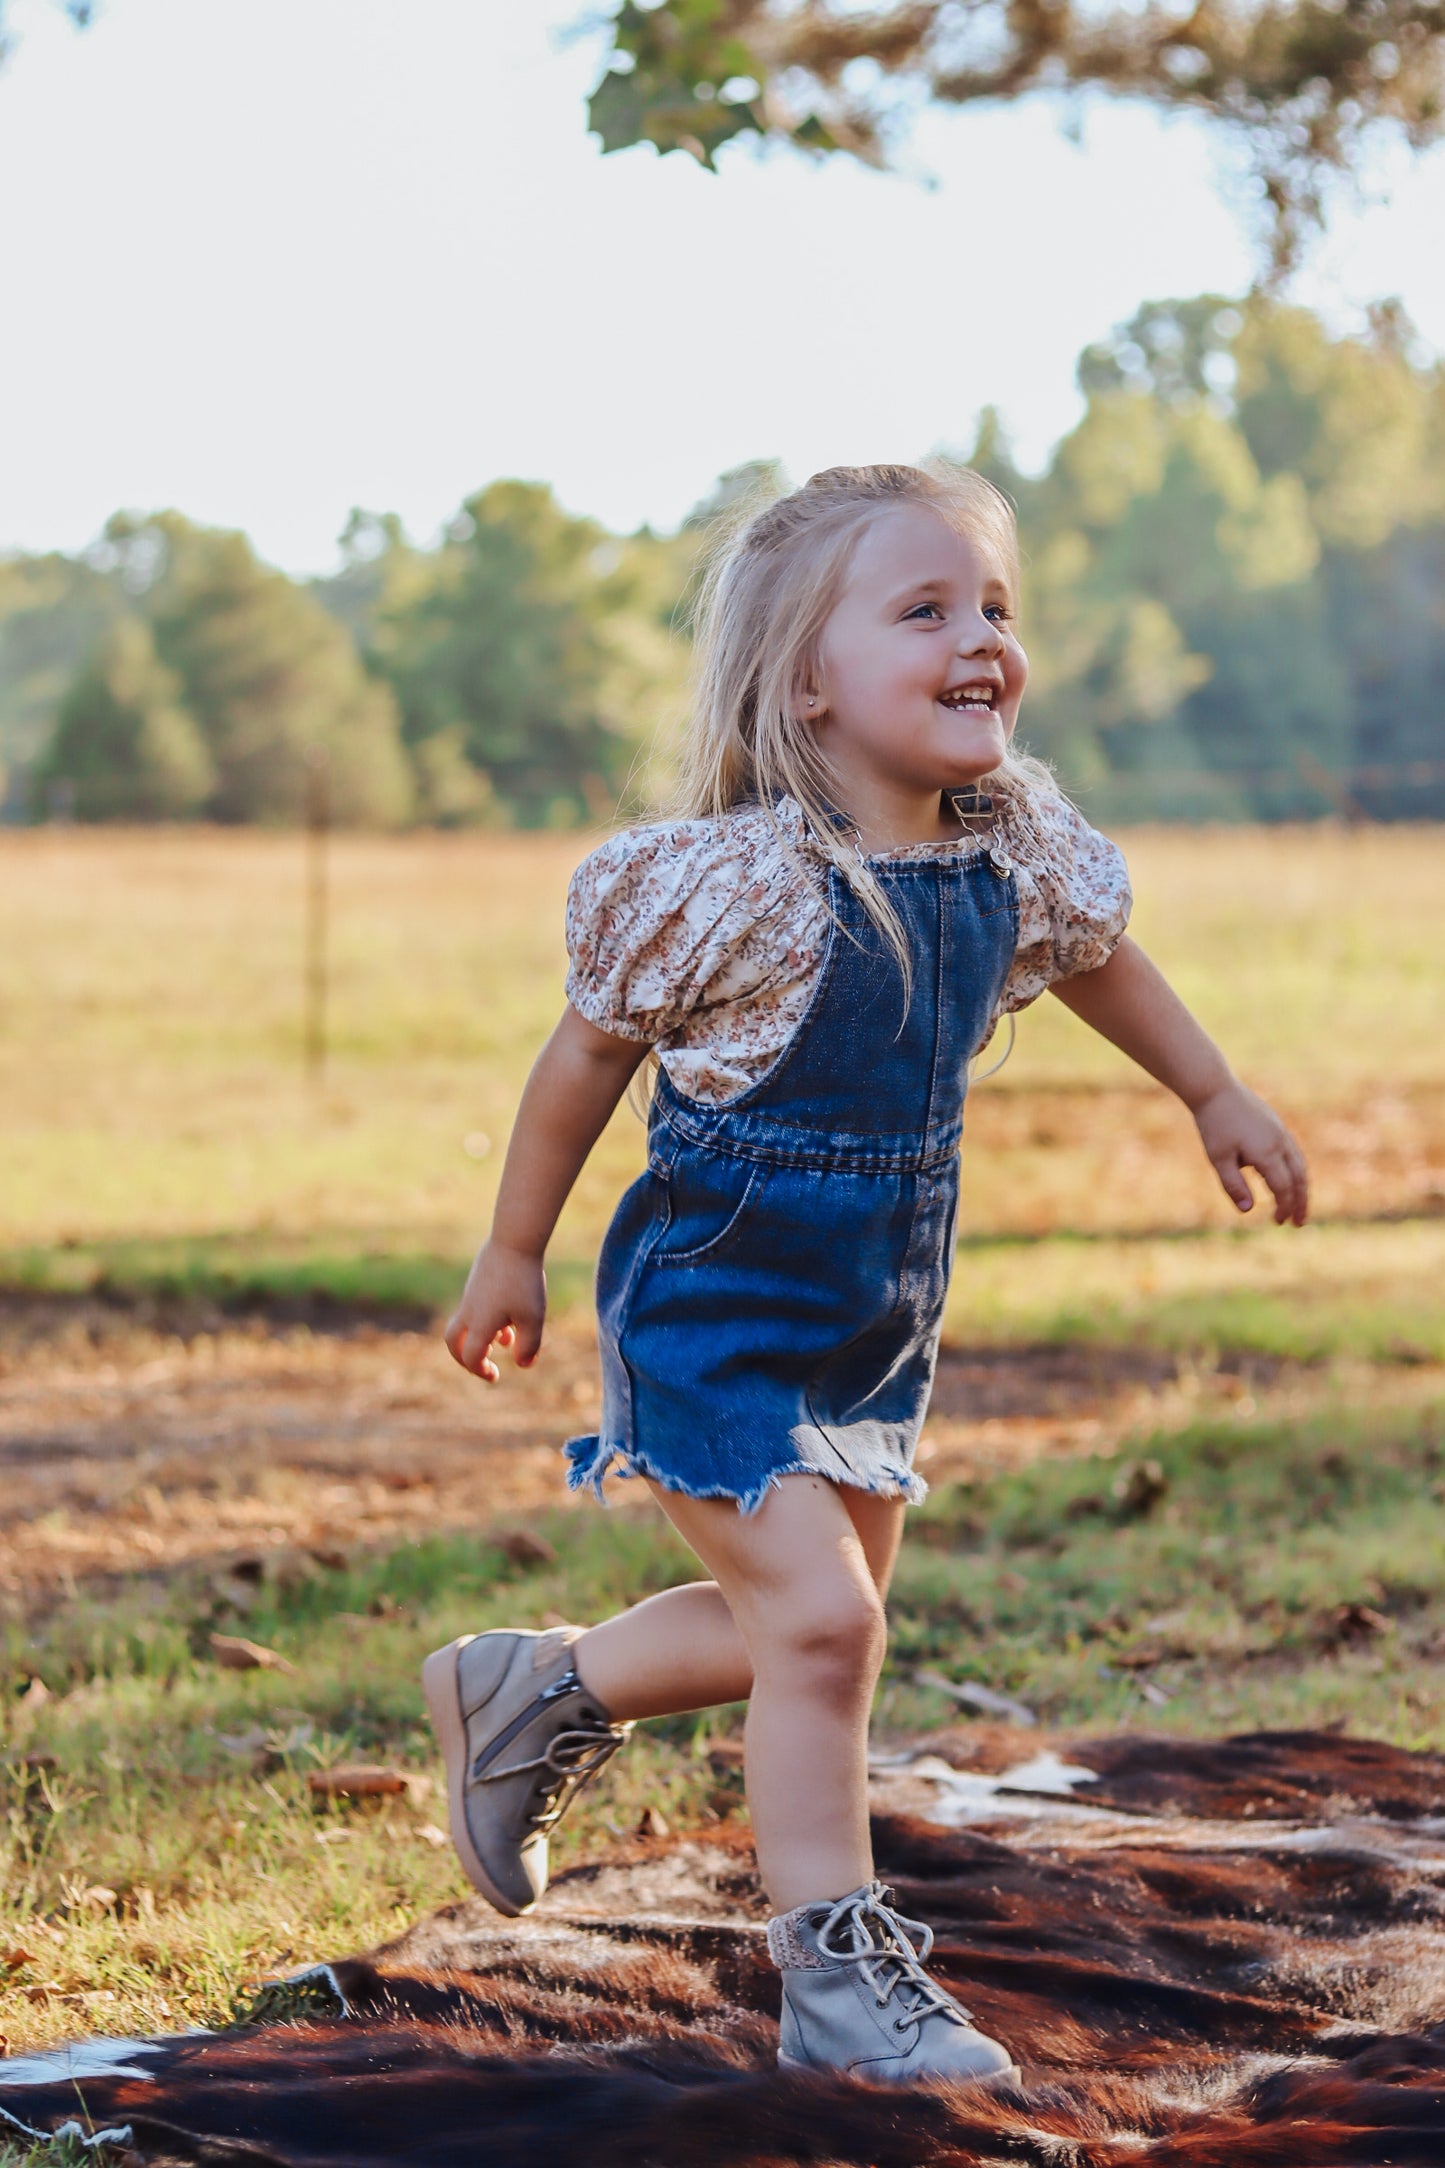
998	612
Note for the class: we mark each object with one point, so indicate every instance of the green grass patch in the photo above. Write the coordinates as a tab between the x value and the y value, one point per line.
349	1274
1367	1292
1284	1573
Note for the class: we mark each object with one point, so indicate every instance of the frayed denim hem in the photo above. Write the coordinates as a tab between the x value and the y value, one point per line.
590	1459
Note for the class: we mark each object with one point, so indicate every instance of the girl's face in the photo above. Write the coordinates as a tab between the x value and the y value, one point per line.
920	672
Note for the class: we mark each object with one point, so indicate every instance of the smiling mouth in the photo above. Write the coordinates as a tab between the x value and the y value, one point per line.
970	699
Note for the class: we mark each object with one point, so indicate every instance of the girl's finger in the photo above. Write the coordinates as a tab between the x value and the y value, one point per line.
506	1336
472	1352
1282	1175
1236	1188
526	1340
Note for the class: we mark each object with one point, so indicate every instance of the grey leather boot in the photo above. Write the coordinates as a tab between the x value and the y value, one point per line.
520	1735
856	1998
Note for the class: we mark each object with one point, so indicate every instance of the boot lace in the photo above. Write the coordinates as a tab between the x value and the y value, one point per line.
862	1930
572	1758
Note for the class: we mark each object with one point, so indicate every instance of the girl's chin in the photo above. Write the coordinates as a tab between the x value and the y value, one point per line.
965	764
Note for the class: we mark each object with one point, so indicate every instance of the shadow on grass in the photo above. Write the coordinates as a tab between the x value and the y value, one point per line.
1218	1292
330	1280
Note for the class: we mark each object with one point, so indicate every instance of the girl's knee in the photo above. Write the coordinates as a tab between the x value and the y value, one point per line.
834	1634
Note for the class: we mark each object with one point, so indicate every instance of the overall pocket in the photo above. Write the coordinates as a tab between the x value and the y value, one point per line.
710	1196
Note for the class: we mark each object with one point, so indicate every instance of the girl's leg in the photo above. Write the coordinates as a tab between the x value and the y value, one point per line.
678	1650
681	1649
795	1578
794	1618
878	1525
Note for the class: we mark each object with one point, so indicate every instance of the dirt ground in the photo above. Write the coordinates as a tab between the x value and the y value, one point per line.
134	1442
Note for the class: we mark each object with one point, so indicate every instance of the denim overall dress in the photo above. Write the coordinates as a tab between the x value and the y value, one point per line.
770	1291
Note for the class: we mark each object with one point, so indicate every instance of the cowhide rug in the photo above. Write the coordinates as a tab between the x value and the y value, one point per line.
1226	1955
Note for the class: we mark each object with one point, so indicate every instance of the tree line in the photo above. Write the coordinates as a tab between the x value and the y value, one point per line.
1234	608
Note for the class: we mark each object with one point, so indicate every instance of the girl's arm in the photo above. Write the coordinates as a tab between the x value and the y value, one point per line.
575	1083
1131	1003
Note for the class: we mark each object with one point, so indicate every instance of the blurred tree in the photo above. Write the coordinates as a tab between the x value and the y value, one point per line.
53	610
1278	493
1158	524
737	492
1173	351
381	574
266	672
371	544
1357	419
533	643
124	747
1389	606
1299	82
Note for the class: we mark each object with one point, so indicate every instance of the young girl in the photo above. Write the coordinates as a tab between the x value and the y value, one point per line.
867	877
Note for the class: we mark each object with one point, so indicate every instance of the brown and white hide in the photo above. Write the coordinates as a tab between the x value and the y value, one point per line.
1226	1955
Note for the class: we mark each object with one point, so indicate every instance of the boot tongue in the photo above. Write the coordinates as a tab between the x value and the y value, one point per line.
866	1931
869	1926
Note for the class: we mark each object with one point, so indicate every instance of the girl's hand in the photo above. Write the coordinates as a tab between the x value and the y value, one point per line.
503	1305
1237	1131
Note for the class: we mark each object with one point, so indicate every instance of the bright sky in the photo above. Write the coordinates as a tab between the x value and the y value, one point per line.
266	259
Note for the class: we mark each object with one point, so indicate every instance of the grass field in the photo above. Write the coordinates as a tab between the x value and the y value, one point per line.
167	1166
150	1039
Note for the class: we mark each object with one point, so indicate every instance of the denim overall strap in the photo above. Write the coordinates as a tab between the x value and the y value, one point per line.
875	1076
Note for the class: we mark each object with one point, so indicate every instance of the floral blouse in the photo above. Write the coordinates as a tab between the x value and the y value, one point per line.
704	938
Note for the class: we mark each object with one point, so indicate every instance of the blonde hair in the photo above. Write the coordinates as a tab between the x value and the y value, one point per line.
772	584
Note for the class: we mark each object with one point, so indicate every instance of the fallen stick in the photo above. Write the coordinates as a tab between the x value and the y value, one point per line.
977	1697
234	1653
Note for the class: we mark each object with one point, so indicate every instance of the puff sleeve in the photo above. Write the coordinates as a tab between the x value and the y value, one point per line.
658	915
1074	900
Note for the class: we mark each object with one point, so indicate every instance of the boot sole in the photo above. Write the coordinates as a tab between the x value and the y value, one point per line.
444	1704
992	2081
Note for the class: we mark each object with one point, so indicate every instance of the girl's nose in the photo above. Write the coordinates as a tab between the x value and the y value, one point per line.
982	637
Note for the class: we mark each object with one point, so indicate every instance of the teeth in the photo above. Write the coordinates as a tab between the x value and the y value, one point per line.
969	696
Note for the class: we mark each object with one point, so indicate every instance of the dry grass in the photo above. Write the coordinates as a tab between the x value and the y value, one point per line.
150	1065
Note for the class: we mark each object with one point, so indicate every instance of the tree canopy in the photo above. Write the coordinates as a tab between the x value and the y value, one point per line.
1300	83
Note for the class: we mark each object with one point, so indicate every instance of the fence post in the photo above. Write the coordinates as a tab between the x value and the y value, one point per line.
318	824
